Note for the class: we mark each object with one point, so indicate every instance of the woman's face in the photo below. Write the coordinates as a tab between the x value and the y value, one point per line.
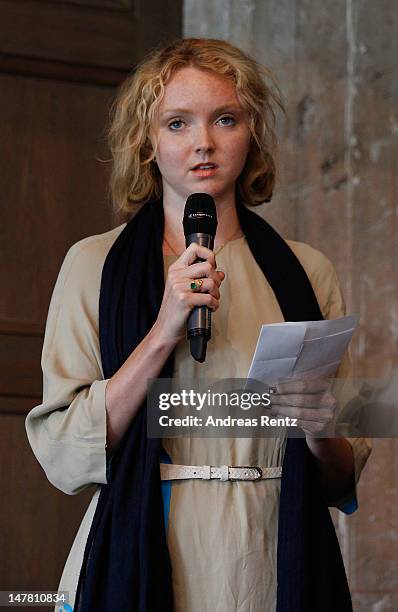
200	121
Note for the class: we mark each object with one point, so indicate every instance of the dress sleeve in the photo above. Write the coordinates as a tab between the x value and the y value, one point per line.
328	291
67	432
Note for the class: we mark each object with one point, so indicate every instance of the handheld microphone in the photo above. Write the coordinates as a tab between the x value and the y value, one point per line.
200	225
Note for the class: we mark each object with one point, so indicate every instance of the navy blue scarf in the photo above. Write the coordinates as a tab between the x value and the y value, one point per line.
126	563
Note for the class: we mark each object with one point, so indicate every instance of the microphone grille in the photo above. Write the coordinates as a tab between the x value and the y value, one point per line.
200	215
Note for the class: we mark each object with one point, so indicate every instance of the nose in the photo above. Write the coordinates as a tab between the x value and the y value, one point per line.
204	141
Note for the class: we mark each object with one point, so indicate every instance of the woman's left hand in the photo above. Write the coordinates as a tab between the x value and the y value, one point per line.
310	401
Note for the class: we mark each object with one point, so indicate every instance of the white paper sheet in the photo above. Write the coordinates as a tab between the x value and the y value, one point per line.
305	349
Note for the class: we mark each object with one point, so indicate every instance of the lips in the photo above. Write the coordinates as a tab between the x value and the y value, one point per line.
205	166
204	171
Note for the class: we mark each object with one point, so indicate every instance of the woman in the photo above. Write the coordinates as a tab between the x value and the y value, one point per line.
196	116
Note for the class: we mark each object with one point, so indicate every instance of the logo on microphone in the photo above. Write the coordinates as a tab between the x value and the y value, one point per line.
198	215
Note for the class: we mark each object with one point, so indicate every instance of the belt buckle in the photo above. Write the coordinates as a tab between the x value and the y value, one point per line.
250	467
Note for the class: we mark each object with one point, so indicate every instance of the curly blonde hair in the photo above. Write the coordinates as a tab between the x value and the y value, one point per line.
135	177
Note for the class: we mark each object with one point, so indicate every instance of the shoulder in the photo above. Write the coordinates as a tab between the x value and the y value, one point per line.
94	249
87	256
314	262
79	278
323	278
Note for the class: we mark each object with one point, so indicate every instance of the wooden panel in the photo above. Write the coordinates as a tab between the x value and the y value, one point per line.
60	71
12	405
115	5
21	377
54	185
20	365
37	522
59	63
12	328
91	35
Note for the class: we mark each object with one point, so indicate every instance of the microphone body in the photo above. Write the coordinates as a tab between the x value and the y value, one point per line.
197	228
199	319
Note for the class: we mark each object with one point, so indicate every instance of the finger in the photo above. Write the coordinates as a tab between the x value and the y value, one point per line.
180	287
217	275
201	299
301	386
319	415
200	269
307	400
319	430
208	286
189	299
195	251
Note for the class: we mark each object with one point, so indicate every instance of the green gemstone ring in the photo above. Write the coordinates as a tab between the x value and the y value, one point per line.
196	285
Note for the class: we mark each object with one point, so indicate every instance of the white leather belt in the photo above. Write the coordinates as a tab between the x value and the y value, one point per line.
171	471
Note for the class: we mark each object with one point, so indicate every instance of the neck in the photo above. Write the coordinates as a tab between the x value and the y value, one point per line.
228	226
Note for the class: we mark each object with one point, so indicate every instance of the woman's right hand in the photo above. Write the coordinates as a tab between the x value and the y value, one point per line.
179	299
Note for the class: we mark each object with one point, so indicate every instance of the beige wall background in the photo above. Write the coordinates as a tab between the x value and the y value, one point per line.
336	64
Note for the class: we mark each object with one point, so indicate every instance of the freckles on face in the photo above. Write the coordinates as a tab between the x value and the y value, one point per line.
201	120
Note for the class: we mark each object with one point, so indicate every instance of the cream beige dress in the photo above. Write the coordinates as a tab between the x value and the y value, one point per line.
222	536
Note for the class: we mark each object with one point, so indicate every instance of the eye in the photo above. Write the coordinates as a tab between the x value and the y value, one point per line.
227	120
175	125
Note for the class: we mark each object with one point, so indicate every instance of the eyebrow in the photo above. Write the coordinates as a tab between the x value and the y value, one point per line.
187	111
